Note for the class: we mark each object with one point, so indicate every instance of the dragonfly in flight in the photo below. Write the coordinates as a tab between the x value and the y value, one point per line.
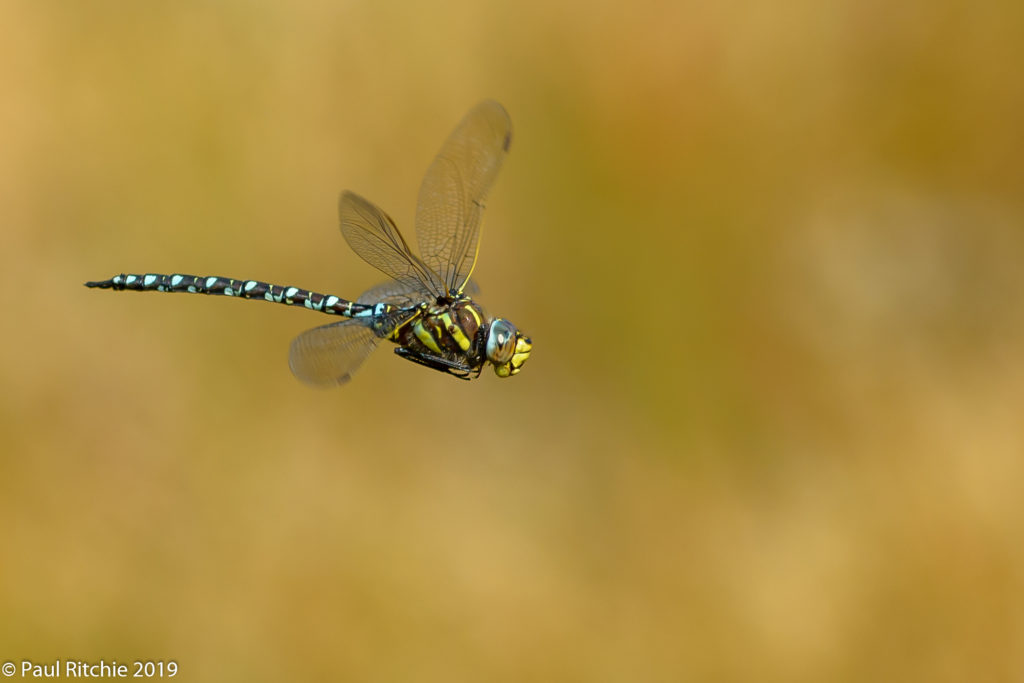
425	308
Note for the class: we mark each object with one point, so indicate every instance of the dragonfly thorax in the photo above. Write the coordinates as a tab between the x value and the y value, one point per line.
459	336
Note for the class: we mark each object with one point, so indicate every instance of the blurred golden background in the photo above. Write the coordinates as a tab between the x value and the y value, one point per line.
770	256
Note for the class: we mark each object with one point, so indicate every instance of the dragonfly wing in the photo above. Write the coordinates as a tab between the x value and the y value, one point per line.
403	296
330	354
452	195
391	292
374	236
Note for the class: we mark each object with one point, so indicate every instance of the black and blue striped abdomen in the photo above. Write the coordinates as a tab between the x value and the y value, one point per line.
245	289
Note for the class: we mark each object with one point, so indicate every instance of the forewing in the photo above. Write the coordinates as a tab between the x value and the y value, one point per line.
452	195
471	288
374	237
398	294
391	292
330	354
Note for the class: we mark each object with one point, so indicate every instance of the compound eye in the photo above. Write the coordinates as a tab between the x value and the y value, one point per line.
501	342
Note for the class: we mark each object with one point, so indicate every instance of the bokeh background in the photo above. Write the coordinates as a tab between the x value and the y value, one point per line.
770	255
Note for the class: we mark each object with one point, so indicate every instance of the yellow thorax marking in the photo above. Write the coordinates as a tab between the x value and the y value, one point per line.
456	331
424	336
476	316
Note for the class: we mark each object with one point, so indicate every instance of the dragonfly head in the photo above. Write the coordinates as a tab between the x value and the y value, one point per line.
507	348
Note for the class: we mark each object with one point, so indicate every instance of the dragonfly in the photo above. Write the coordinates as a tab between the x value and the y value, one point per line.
425	308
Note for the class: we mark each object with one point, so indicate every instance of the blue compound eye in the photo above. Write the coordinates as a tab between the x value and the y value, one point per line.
501	342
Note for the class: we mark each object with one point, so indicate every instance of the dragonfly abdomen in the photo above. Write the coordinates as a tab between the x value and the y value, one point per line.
245	289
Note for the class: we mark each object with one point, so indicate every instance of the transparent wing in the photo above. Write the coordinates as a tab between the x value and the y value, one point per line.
373	235
452	195
398	294
391	292
330	354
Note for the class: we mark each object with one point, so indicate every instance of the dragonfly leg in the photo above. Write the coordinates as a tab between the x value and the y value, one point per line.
450	367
